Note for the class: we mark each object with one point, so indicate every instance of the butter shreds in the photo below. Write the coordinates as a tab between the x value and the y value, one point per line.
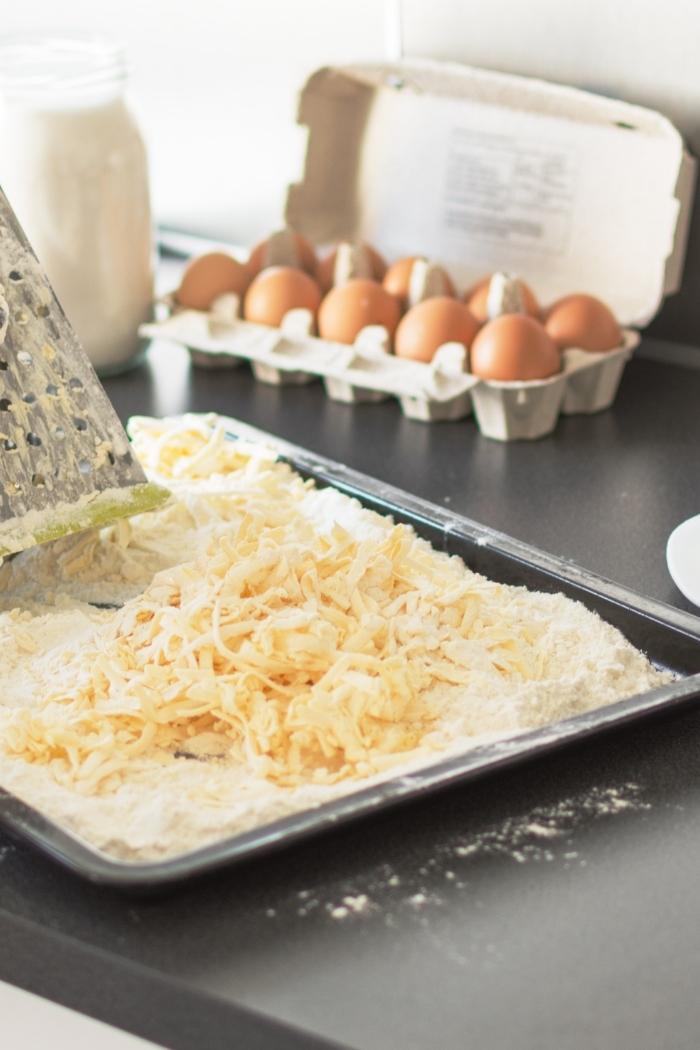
275	640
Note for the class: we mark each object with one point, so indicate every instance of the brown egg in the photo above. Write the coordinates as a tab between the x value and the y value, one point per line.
431	323
399	278
348	261
209	276
585	322
350	307
284	248
477	296
277	290
514	346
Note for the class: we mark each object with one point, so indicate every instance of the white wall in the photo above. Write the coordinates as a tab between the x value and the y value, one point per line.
644	51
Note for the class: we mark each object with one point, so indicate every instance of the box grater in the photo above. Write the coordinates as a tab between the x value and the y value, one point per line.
65	461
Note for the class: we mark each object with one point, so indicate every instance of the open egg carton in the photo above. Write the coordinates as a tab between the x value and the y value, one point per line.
483	171
367	371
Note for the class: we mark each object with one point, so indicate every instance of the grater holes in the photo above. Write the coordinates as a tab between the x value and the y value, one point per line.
75	383
84	466
79	423
22	318
59	433
33	439
15	276
29	399
42	310
110	457
52	390
5	404
3	366
23	357
39	480
9	445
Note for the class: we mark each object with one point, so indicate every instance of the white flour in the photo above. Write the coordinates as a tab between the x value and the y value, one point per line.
543	835
166	802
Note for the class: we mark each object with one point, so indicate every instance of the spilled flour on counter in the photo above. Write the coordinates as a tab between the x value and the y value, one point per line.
263	647
443	868
543	835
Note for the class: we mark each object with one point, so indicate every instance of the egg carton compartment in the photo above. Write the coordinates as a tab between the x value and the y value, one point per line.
368	360
593	388
367	371
510	411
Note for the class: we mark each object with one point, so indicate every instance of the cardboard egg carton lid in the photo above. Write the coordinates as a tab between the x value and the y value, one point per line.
484	171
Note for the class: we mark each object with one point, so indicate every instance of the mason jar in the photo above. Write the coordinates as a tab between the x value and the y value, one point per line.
73	166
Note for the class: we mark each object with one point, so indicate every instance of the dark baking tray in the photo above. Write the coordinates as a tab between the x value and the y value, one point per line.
670	638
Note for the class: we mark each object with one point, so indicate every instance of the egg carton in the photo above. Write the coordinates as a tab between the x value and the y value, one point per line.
367	371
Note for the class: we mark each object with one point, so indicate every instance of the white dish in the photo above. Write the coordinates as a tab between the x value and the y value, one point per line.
683	558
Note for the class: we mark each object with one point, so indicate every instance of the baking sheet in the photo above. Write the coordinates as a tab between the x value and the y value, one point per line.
670	637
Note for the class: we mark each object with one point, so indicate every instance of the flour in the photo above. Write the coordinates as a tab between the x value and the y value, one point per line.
358	904
542	835
109	766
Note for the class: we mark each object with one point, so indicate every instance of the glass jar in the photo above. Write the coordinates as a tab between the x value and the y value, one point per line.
73	166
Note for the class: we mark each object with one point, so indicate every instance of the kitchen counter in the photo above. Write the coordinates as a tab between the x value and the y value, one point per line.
552	906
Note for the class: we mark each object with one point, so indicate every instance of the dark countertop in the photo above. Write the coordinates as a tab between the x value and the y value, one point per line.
553	906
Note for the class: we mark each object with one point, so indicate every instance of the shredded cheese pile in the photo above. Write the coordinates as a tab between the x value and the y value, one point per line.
301	650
